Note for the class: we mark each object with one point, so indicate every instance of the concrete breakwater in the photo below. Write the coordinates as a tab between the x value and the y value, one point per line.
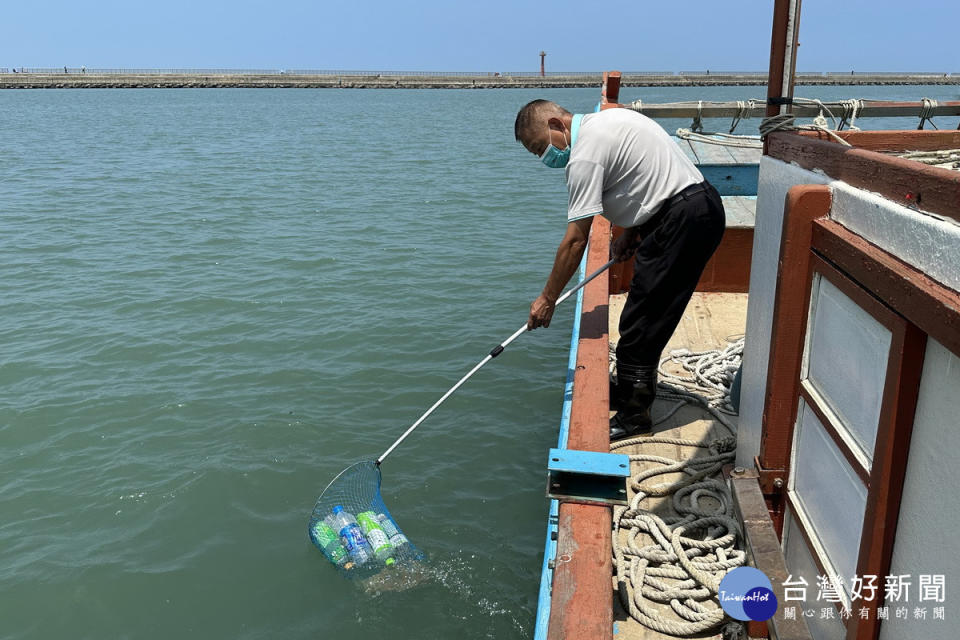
92	80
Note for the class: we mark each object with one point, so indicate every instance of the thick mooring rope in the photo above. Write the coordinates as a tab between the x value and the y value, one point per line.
943	158
693	550
785	121
929	104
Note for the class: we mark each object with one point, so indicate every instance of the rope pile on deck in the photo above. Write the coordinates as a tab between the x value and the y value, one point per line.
943	158
692	551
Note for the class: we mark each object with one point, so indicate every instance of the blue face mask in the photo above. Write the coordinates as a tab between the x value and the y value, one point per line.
555	158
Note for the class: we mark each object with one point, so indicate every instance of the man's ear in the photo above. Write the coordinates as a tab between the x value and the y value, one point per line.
555	123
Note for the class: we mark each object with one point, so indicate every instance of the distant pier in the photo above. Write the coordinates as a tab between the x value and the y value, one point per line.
139	79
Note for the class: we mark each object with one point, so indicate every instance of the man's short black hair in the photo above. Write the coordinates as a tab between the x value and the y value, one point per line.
530	116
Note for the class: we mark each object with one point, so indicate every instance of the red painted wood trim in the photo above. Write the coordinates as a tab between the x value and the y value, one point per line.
581	604
778	43
581	601
861	296
903	181
804	203
728	269
894	141
589	413
934	308
610	91
889	467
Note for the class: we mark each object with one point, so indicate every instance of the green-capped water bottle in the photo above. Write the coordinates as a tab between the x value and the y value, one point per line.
328	541
397	540
376	536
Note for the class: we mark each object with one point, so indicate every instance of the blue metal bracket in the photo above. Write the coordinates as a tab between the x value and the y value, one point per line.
588	477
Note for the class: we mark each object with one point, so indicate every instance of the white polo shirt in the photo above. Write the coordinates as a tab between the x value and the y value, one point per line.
623	165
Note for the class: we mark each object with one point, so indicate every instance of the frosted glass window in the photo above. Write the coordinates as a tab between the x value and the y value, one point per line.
800	564
832	496
847	362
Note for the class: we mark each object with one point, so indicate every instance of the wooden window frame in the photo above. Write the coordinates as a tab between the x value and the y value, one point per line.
885	475
910	303
889	319
895	428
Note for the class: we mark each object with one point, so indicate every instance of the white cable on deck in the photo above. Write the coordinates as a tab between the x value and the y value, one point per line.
721	139
693	550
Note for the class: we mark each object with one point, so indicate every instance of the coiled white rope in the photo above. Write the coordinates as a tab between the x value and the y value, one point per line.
744	107
697	124
692	551
851	109
929	104
943	158
785	122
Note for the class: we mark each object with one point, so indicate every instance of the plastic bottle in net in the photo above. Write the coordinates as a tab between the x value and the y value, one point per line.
357	492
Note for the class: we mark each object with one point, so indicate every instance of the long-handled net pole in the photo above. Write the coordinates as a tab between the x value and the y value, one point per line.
490	356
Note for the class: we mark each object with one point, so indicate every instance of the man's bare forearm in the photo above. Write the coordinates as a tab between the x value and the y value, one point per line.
569	255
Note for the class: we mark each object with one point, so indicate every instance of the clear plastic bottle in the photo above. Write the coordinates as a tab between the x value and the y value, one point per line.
397	540
376	536
326	538
350	535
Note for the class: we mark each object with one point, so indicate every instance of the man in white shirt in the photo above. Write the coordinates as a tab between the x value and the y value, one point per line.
625	167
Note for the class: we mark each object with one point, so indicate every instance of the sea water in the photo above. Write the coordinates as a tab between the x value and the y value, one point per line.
214	300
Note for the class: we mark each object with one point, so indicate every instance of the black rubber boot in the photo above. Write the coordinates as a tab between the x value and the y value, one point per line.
614	396
634	394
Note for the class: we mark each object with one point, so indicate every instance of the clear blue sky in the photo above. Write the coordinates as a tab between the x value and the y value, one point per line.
492	35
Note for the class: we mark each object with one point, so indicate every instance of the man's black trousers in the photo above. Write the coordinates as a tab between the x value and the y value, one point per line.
674	248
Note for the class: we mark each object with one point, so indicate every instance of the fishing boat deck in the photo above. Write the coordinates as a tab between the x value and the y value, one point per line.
710	321
741	211
706	153
733	170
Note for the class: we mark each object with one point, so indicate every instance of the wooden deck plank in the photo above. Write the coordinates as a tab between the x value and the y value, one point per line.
702	153
712	153
706	153
741	211
687	149
709	320
746	156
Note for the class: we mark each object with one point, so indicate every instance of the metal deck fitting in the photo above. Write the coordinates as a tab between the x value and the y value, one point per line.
587	477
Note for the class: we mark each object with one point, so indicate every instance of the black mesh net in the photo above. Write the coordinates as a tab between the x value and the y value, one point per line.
353	527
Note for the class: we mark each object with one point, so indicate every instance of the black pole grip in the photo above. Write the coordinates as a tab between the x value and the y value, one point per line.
497	350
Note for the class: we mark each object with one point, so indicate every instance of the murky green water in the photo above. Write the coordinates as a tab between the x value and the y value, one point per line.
214	300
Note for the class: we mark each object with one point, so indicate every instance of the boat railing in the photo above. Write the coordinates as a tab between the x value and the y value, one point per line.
714	75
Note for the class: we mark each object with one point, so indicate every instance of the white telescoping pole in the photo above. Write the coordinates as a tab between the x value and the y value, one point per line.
490	356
